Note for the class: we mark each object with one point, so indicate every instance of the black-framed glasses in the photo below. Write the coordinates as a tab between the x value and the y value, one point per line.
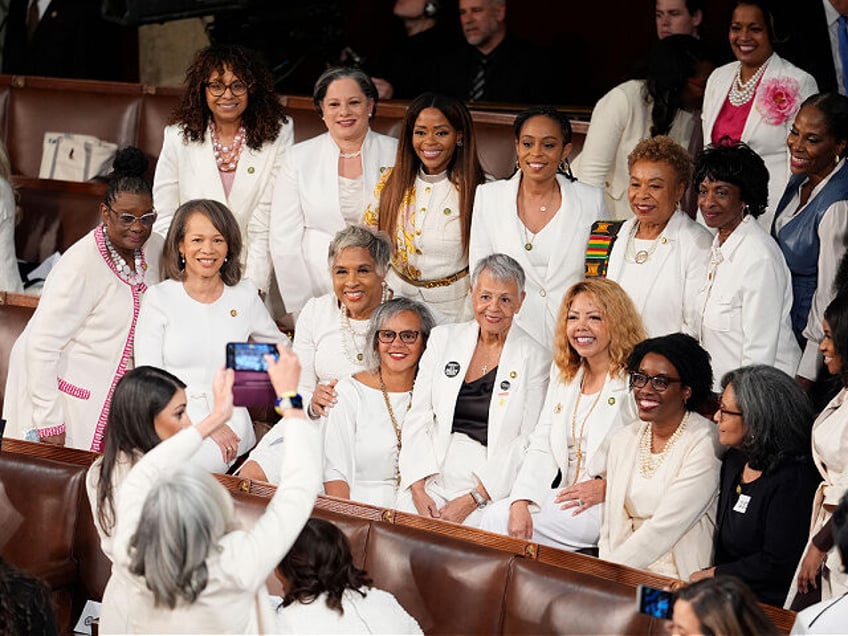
723	411
218	88
659	382
408	336
126	219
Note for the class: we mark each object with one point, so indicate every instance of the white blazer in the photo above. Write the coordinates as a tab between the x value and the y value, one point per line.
519	390
306	214
768	140
187	170
551	439
667	296
495	212
620	120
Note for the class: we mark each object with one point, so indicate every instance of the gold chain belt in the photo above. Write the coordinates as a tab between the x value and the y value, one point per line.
432	284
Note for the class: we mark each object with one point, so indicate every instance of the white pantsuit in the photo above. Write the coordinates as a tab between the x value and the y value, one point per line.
494	230
767	140
517	397
187	170
665	287
306	212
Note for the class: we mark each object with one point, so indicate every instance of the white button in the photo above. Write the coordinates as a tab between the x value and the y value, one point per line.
542	293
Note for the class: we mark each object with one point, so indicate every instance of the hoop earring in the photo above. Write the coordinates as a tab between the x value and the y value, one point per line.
565	168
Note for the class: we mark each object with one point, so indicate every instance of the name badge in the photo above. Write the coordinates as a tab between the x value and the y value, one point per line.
742	504
452	369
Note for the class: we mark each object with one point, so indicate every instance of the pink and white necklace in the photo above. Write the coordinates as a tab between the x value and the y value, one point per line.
227	157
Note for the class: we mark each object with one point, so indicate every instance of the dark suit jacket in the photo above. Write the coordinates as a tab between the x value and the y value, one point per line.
807	41
71	40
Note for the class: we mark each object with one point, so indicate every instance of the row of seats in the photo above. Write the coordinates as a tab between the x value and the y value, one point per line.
452	579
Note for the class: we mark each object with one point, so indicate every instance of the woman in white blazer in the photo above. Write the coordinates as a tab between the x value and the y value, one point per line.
746	297
541	217
588	401
478	393
663	470
227	142
79	342
660	256
755	98
326	183
666	102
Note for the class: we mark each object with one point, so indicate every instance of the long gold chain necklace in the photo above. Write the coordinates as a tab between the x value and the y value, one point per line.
395	424
578	442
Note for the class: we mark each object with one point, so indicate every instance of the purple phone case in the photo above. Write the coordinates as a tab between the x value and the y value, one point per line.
253	388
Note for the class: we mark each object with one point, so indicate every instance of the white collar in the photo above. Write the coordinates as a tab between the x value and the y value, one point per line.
830	13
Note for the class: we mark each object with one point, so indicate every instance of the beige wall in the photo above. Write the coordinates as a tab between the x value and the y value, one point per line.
165	50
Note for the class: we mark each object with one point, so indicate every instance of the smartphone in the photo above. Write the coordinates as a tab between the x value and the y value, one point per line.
655	602
249	356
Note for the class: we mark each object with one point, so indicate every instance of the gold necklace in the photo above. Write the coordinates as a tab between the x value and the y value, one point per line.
578	442
649	462
357	356
642	256
395	424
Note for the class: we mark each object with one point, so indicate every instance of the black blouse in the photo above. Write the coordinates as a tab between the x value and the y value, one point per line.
471	413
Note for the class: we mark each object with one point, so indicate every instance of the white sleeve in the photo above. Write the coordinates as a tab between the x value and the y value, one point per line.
166	180
762	305
340	436
304	346
149	346
609	118
480	244
262	325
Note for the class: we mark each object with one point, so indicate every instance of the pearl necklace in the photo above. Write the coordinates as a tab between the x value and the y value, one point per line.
578	441
648	461
124	271
350	155
227	157
642	256
395	424
742	92
357	355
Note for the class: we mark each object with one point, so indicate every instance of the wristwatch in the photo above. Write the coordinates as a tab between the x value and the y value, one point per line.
288	400
479	499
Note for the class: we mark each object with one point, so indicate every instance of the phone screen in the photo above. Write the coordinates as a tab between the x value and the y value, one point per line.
249	356
655	602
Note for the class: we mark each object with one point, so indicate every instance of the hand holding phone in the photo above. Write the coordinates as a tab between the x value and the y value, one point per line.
655	602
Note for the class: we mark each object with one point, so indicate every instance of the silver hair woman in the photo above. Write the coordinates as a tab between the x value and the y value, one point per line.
477	397
177	562
362	437
330	336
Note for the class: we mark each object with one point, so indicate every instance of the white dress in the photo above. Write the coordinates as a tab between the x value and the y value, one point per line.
428	245
189	339
377	613
744	304
360	444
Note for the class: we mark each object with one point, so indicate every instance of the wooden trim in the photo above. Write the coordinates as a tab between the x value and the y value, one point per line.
18	300
92	188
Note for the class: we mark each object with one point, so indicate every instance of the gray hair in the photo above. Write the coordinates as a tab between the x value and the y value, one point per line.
502	267
184	516
386	312
343	72
377	244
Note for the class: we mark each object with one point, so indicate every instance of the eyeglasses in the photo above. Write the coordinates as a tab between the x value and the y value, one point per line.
723	411
387	336
659	382
126	219
218	88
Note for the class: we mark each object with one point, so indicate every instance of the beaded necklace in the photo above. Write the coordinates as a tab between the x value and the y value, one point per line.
122	268
649	462
227	157
742	92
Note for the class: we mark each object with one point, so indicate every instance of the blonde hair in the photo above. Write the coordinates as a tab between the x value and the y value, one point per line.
623	322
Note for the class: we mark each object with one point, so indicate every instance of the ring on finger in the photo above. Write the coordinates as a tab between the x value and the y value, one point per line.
580	503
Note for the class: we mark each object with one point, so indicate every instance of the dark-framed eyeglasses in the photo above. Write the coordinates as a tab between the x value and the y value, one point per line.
218	88
659	382
126	219
723	411
408	336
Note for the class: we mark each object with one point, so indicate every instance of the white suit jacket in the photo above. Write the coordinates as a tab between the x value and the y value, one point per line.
685	519
495	211
620	120
305	211
667	300
519	390
187	170
768	140
551	439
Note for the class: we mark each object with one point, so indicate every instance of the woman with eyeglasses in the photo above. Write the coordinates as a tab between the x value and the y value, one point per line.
187	320
226	143
362	437
767	480
79	342
663	471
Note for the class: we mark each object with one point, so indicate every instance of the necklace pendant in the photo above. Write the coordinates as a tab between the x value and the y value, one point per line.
528	246
738	489
359	357
543	208
641	257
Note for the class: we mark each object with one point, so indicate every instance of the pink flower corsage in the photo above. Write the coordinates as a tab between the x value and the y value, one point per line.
779	99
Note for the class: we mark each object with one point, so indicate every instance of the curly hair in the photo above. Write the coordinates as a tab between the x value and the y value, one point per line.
318	563
128	169
621	318
663	149
264	116
735	163
464	169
